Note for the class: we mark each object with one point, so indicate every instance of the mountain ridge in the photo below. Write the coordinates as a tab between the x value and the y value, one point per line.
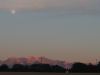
34	60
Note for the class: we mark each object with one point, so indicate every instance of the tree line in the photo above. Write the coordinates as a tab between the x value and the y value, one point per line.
32	68
76	68
85	68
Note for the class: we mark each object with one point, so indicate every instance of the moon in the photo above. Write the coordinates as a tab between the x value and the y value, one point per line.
13	12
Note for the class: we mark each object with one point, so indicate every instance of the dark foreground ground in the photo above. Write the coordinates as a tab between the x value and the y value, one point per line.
30	73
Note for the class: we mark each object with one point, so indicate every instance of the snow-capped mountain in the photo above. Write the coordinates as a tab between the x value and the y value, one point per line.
33	60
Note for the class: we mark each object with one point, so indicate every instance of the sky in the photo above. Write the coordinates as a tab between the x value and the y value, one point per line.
58	29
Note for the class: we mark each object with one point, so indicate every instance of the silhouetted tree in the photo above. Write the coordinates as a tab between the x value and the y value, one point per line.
79	67
98	67
4	68
92	68
18	68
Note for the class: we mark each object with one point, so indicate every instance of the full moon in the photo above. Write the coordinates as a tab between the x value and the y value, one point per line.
13	12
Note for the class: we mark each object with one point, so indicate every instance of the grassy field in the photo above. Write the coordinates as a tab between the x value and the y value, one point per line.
23	73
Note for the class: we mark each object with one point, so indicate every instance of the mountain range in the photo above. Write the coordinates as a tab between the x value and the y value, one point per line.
35	60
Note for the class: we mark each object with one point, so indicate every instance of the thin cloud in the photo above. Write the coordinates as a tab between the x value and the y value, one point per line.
49	4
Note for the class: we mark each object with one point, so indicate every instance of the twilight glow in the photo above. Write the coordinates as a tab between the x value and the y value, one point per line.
58	29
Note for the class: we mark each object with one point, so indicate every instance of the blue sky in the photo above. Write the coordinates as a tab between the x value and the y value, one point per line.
58	29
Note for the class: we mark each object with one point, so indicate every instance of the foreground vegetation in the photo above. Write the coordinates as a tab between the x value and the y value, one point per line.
32	68
85	68
76	68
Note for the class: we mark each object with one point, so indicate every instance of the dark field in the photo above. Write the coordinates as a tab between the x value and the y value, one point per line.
30	73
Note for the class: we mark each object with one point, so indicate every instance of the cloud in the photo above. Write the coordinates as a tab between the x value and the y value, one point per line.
50	4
